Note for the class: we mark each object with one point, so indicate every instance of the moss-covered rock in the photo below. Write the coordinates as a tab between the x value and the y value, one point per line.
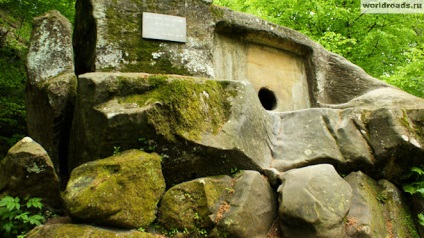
250	208
201	127
83	231
399	218
27	170
51	86
220	206
395	135
188	107
378	209
119	191
383	142
190	205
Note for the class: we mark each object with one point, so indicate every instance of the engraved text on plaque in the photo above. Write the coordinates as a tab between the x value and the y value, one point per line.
164	27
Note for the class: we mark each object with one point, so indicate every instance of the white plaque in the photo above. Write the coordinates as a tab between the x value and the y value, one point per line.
164	27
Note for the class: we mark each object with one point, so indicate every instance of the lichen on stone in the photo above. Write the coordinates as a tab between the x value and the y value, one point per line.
34	168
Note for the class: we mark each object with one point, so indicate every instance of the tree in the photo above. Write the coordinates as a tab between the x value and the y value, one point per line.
412	71
379	43
28	9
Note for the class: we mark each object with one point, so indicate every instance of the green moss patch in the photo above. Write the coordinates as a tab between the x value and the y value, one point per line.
414	126
189	205
83	231
119	191
184	107
217	11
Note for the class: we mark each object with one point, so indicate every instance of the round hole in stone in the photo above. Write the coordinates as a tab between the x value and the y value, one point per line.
267	98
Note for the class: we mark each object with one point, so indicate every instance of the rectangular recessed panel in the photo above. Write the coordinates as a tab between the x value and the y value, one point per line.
164	27
281	72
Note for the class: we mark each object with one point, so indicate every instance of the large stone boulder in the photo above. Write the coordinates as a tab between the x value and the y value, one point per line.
314	202
323	135
191	205
250	208
385	97
27	170
201	127
51	85
221	206
378	209
83	231
385	141
396	136
119	191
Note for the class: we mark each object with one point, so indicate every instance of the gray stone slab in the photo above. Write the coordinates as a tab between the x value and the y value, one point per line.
164	27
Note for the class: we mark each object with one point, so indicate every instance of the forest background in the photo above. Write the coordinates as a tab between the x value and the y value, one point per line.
387	46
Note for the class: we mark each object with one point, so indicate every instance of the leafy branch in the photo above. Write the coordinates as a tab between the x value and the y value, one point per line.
19	216
416	187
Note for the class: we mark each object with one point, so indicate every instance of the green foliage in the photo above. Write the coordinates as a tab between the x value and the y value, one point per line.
116	150
12	108
196	232
18	217
147	145
416	187
421	219
387	46
28	9
410	77
235	172
382	198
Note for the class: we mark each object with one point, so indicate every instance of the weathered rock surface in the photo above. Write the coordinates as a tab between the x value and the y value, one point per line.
387	140
250	209
191	205
313	202
50	53
51	85
316	136
378	209
114	43
83	231
386	97
245	206
202	127
27	170
397	138
119	191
